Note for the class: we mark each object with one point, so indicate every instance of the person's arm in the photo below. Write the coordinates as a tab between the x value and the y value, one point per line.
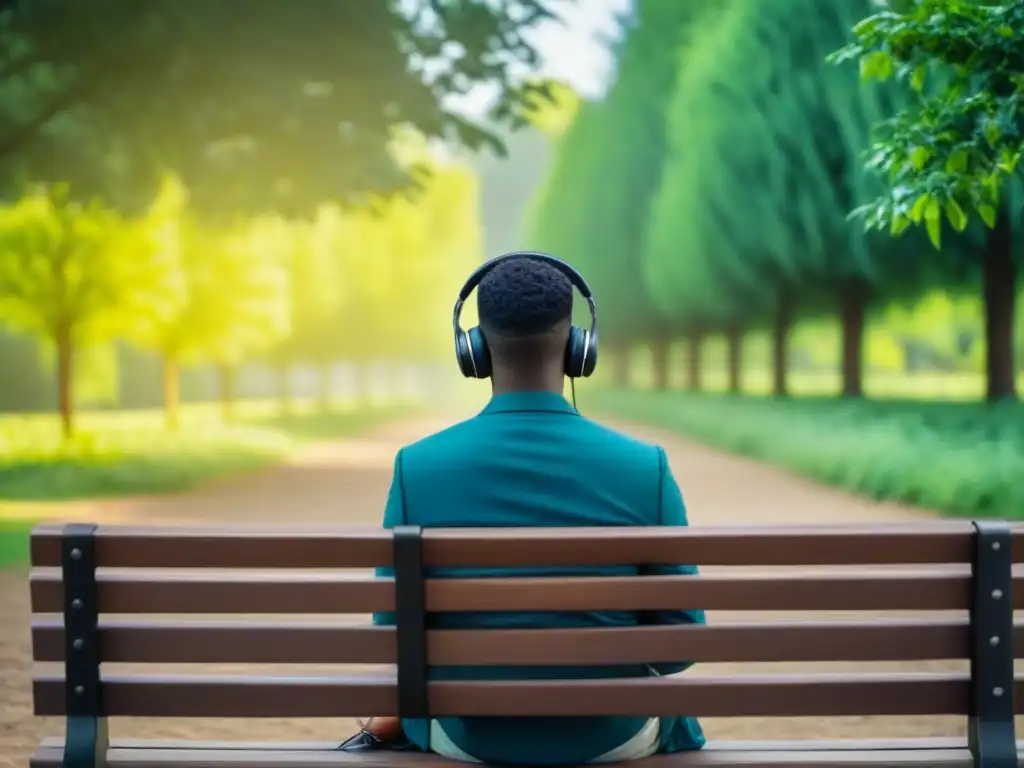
671	511
394	514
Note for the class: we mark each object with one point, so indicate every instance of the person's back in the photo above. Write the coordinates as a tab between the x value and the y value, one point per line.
530	460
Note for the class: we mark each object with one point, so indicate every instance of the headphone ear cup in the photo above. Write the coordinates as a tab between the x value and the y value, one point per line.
589	354
574	352
480	362
463	354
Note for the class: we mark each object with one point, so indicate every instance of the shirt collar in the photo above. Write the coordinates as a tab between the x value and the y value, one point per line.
529	402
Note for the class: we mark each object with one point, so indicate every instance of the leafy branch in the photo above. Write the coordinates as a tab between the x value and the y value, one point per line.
952	152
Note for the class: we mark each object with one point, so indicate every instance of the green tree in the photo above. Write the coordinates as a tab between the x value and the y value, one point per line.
227	300
433	243
594	207
953	152
73	274
312	272
244	269
280	108
750	226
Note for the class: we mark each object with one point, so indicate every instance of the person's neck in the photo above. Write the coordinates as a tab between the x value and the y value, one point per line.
502	385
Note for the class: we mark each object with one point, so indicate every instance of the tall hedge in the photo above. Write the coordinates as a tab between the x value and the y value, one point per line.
766	143
594	209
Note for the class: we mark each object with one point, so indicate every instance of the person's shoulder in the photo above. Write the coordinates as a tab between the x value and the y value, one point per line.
613	440
440	443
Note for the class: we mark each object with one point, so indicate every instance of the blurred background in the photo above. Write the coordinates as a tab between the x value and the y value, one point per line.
231	235
222	236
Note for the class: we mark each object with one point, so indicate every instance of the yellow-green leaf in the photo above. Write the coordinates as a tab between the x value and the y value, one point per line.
898	225
992	132
917	78
1004	30
919	156
988	215
877	64
864	26
917	211
934	227
955	214
932	212
957	162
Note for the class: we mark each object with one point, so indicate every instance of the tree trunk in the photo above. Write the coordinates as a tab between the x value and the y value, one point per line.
734	358
999	290
172	393
65	381
227	391
693	362
853	304
284	388
618	361
659	360
780	348
323	373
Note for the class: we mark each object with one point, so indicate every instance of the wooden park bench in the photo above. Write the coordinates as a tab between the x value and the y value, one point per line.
84	617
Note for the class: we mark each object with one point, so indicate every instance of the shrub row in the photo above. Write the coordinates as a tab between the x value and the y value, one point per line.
958	458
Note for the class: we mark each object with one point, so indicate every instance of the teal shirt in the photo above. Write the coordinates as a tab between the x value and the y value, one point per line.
530	460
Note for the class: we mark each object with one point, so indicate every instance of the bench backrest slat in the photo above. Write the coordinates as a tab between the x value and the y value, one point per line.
263	642
131	547
228	592
339	696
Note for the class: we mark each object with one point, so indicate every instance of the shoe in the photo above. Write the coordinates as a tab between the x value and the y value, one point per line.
364	741
361	742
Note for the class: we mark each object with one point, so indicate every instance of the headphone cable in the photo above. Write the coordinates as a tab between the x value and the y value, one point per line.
572	389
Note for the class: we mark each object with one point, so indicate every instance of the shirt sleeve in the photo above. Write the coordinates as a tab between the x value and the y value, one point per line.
671	511
394	514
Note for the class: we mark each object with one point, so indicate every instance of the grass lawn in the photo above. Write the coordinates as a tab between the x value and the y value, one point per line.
132	452
955	457
13	541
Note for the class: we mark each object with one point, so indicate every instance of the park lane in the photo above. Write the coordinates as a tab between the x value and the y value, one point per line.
346	482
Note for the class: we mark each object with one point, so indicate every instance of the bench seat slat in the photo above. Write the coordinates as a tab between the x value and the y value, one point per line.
339	547
737	755
235	592
352	696
269	642
728	745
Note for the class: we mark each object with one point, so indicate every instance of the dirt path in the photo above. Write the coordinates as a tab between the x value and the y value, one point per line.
346	483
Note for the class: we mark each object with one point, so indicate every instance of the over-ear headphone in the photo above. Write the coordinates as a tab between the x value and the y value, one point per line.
471	347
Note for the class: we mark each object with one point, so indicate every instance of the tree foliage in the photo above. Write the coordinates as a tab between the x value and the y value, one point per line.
313	272
400	269
73	274
594	208
765	163
354	285
230	298
276	107
952	151
955	150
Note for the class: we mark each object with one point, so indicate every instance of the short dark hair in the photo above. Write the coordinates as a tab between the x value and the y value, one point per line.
524	296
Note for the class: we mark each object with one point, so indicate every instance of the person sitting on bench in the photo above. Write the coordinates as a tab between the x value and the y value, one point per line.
529	459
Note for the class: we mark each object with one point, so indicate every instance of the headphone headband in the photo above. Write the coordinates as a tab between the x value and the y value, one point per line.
565	268
471	348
